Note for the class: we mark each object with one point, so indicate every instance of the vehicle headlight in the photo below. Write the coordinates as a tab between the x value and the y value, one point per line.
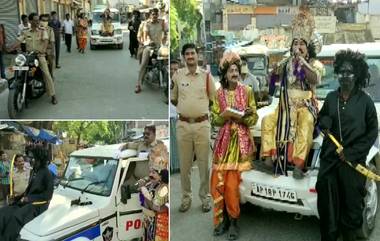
20	60
36	63
95	32
118	31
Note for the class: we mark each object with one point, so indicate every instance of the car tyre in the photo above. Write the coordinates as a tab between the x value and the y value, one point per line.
92	47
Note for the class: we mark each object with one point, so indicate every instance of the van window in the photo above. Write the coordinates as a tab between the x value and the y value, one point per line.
94	175
330	83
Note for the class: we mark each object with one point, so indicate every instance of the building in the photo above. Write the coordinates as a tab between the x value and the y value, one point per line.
11	11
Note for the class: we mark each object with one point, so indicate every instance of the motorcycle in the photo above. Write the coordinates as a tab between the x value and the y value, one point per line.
157	72
26	84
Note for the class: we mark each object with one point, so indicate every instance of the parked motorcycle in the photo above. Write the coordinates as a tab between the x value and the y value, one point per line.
157	72
26	84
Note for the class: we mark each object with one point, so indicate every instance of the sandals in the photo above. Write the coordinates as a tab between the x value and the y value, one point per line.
138	89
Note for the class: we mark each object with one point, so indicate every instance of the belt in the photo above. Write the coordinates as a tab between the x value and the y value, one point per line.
193	120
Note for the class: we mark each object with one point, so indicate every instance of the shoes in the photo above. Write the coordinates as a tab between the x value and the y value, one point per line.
223	226
57	66
138	89
54	100
233	231
298	173
206	207
185	205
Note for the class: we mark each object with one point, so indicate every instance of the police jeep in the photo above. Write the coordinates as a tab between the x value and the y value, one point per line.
284	193
97	198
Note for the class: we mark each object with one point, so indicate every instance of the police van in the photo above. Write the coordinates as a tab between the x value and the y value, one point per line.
97	198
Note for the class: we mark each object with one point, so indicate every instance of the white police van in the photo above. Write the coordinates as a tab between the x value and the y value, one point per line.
284	193
96	200
96	38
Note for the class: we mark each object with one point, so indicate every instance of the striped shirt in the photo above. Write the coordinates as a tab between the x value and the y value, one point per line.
4	172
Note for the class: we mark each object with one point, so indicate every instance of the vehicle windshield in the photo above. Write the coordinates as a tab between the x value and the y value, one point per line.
81	171
256	63
329	82
97	17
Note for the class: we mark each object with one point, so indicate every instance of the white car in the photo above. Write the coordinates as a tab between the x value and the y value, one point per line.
284	193
96	39
94	199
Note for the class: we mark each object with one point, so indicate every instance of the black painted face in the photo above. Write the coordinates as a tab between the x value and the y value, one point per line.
346	77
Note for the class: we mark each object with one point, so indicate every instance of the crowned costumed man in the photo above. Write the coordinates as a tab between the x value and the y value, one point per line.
154	196
287	134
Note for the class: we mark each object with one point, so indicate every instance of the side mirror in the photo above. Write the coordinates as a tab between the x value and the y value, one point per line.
125	193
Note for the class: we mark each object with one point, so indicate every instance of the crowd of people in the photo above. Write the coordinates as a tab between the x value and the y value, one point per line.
286	134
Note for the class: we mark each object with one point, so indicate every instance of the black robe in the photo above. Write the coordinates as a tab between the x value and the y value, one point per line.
133	42
341	189
14	217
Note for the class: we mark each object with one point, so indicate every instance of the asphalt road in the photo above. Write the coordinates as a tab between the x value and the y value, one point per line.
256	224
96	85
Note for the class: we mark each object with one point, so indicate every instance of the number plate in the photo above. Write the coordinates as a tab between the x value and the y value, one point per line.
274	193
20	67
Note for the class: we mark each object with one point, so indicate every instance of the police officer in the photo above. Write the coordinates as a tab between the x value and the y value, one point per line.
37	40
193	88
50	50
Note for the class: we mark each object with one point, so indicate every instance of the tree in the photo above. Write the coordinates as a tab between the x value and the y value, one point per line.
184	14
93	132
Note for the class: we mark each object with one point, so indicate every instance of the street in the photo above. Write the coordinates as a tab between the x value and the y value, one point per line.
256	224
96	85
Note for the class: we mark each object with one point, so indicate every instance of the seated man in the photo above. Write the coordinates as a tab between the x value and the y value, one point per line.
287	134
107	26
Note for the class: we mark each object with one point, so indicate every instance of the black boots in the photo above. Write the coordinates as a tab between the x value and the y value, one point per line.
233	232
223	226
229	224
349	235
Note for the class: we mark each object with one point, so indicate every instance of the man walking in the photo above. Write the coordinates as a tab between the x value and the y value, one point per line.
4	176
192	91
56	25
68	29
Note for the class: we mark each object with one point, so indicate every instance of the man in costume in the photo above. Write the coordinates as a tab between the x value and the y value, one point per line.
234	148
349	114
154	198
287	134
34	201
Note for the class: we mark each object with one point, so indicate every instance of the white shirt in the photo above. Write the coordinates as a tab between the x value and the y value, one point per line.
21	28
20	180
68	26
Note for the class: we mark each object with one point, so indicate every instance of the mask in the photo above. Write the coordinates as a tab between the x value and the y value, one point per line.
346	82
44	24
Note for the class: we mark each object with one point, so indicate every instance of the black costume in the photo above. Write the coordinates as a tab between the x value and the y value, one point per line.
341	189
133	42
14	217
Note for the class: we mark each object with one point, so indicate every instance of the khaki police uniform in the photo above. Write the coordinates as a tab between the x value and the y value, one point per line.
50	50
193	93
35	41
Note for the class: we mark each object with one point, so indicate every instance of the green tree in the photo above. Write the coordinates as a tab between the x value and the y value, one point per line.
93	132
184	14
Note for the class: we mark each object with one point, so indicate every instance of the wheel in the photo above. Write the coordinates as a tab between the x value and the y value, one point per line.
92	47
39	90
370	208
120	46
15	103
